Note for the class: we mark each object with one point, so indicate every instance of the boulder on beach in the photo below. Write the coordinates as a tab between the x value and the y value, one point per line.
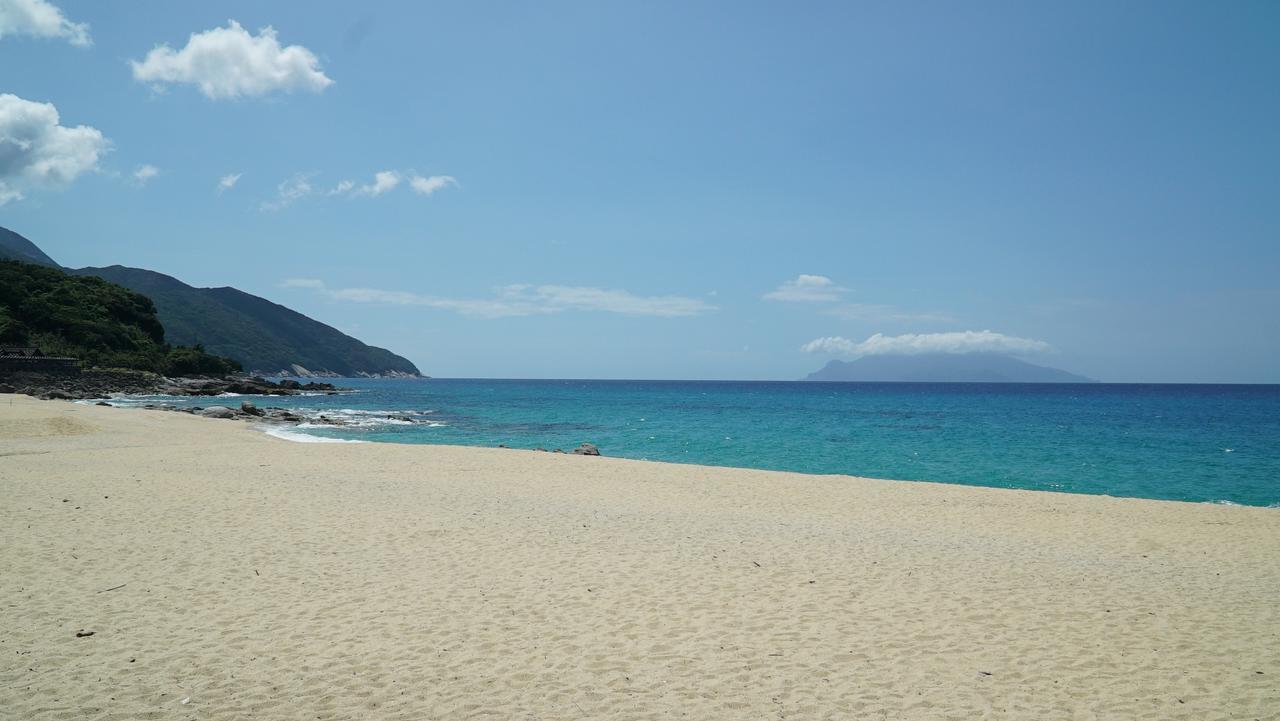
250	408
218	412
586	449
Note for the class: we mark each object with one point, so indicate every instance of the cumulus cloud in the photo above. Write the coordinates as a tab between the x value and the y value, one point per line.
523	300
227	182
41	19
289	192
969	341
36	151
229	62
807	289
145	173
429	185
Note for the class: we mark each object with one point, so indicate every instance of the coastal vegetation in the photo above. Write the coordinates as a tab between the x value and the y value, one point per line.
101	323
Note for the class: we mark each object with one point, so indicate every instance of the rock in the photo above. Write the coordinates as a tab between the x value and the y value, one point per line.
250	408
6	388
103	403
57	395
290	384
586	449
218	412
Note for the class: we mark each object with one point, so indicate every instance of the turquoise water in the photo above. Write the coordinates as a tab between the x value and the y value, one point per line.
1180	442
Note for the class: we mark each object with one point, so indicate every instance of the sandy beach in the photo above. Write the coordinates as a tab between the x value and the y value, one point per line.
227	574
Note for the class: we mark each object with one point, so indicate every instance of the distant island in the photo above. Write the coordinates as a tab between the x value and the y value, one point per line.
263	337
943	368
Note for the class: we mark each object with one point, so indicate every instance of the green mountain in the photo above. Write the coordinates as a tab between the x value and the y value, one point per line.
88	318
262	335
16	247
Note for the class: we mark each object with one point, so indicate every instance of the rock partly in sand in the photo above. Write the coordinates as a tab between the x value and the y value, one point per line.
250	408
587	449
218	412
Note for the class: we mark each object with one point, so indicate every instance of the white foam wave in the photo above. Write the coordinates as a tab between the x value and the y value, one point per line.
289	435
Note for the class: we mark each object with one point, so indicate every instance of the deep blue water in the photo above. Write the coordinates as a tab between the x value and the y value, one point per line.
1178	442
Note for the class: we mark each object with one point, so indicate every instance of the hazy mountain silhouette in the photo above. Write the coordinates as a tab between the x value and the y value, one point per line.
943	368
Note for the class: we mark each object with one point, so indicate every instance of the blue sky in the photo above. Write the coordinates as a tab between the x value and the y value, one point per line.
676	190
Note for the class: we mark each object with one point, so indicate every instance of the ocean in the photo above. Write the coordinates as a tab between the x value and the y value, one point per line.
1206	443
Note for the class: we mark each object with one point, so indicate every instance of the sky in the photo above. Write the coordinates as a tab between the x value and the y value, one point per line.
738	190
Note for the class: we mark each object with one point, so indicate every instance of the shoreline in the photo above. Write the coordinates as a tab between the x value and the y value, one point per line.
290	431
287	580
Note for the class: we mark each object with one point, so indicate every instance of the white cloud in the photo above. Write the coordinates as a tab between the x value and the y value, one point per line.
807	289
524	300
968	341
885	313
388	180
429	185
229	63
145	173
36	151
227	182
302	283
290	191
41	19
384	181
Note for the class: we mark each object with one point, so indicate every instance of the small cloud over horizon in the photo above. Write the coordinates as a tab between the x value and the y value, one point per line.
806	288
958	342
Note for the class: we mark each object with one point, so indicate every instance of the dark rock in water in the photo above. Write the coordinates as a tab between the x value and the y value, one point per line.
218	412
250	408
103	403
290	384
586	449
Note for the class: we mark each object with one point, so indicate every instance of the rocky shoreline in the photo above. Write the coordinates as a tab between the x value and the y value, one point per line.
103	383
106	385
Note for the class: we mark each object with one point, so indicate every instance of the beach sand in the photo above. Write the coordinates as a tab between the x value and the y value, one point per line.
226	574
